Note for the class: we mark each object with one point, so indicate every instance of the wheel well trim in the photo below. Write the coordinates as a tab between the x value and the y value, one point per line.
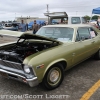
52	63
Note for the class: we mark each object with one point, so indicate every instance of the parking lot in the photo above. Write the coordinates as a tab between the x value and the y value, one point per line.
80	83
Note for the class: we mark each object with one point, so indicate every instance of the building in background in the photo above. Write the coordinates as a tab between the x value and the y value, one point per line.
29	19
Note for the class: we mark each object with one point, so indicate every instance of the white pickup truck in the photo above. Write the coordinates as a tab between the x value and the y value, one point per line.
63	18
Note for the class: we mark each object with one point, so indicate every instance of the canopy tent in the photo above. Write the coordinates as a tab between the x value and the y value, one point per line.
96	11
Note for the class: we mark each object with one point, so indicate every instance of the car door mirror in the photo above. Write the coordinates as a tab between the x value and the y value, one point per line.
82	38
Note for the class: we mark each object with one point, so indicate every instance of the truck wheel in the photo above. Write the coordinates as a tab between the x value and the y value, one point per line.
97	55
53	77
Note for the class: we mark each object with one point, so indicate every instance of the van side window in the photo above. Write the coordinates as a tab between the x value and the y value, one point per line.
75	20
83	20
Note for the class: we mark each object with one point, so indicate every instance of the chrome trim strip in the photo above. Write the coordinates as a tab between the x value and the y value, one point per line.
11	64
35	78
31	82
1	70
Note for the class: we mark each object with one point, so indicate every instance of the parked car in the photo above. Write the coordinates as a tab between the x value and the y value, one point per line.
8	24
14	27
44	57
1	27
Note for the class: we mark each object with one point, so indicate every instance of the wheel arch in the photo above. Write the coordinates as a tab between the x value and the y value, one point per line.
61	61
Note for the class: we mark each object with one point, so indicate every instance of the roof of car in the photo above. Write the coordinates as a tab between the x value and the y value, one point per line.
69	25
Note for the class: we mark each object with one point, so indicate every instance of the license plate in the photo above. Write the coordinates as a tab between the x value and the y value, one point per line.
3	74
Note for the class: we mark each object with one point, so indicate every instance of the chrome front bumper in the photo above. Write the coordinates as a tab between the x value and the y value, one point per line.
32	81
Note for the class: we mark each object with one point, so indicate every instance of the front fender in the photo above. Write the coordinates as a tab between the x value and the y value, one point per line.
40	72
49	58
52	63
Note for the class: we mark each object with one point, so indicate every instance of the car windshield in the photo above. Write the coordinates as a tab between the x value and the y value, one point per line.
59	33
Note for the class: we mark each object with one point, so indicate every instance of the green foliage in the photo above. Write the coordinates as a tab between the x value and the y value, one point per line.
95	17
87	17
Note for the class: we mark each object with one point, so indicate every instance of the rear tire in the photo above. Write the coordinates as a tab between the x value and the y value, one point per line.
53	77
97	55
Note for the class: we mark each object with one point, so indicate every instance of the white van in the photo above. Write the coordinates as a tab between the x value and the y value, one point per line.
63	18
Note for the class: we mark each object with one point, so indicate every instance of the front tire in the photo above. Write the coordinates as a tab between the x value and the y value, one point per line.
53	77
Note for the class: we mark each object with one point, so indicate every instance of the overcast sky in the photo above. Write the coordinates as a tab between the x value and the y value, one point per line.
9	9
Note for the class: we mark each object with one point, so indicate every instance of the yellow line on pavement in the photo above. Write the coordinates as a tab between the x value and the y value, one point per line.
90	92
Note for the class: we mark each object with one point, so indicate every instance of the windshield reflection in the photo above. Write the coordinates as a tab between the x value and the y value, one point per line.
59	33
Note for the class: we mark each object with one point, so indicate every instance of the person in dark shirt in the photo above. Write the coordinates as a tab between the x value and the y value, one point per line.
35	27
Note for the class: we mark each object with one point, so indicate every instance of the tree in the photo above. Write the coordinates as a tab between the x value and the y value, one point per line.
95	17
86	17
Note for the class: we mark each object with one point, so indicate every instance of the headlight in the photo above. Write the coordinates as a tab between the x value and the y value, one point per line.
26	69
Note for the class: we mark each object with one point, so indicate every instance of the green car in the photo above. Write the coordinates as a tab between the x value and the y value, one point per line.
44	57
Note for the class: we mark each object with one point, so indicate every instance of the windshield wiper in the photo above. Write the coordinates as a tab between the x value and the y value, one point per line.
52	38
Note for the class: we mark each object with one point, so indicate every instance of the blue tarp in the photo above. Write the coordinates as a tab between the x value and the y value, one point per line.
39	22
96	11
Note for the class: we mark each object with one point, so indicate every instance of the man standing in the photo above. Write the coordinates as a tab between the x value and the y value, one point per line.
35	27
22	26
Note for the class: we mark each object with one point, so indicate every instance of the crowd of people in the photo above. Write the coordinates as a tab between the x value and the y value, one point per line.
24	26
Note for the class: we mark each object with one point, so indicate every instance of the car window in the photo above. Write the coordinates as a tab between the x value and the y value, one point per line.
59	33
83	33
93	33
75	20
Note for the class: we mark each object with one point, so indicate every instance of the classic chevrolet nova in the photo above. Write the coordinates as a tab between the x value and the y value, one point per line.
44	57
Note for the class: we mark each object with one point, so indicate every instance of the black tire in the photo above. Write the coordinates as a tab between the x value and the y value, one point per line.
53	77
97	55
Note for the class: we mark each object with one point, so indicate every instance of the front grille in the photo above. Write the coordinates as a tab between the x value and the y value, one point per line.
11	64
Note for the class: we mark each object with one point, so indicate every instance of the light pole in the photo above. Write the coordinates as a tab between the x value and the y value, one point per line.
48	12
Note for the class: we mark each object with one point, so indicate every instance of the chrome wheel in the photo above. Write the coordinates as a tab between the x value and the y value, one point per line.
54	76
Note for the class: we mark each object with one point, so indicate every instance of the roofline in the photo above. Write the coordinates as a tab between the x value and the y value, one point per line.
69	25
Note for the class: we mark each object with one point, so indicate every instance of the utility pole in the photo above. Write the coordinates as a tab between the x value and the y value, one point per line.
48	12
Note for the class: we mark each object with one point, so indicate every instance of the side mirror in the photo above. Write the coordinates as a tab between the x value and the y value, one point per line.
82	38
